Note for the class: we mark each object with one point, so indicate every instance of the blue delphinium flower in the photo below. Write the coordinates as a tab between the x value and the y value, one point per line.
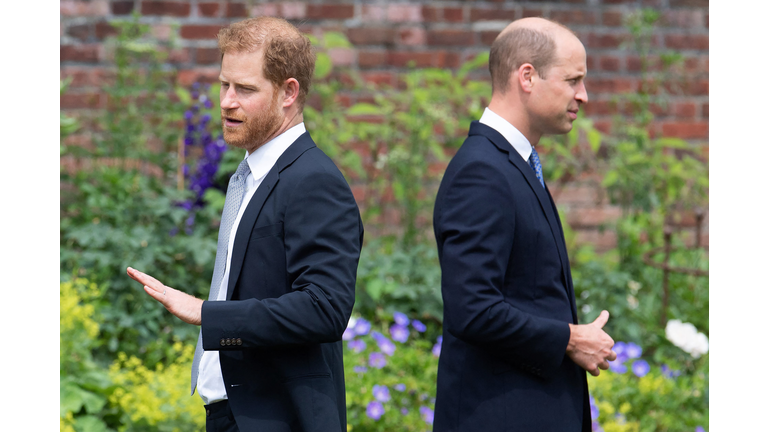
375	410
640	368
357	345
617	366
620	348
400	387
596	427
381	393
385	345
427	414
438	347
362	327
348	334
418	326
668	372
633	350
360	369
699	429
399	333
404	411
593	409
377	360
401	318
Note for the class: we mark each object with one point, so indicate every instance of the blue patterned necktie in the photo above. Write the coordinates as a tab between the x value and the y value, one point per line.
235	193
535	163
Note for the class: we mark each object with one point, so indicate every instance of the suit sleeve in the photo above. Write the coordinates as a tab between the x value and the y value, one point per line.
323	237
476	223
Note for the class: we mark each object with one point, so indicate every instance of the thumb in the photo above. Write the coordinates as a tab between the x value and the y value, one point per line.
601	319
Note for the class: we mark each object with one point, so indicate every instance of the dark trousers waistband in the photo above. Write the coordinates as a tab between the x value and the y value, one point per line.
218	409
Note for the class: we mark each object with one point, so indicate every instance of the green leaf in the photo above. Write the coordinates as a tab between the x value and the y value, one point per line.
364	109
69	398
595	139
670	142
336	40
184	95
323	65
374	288
90	423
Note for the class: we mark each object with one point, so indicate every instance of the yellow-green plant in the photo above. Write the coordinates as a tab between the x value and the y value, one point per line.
157	399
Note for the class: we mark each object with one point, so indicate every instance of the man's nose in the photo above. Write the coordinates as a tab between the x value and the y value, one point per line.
581	94
228	98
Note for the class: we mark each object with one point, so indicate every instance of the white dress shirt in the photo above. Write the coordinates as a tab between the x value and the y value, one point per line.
210	383
509	132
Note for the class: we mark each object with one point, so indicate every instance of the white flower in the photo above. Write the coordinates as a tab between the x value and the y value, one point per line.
684	336
634	286
632	302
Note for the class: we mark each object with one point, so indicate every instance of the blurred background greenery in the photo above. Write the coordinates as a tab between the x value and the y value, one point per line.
151	189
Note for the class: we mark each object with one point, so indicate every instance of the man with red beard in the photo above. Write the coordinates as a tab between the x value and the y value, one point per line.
269	355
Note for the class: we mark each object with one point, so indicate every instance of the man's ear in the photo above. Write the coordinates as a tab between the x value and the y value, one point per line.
291	90
526	75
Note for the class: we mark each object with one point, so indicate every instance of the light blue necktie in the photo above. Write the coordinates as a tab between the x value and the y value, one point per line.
535	163
234	199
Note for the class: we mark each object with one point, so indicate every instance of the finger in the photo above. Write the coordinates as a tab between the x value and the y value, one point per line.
601	319
146	279
603	365
157	295
595	372
611	356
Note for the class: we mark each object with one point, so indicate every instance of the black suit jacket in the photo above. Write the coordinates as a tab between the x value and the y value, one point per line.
290	294
508	298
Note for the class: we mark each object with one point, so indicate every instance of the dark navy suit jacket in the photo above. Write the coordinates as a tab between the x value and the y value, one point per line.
290	294
508	298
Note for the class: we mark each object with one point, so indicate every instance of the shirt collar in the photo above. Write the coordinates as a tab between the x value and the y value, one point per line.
264	158
509	132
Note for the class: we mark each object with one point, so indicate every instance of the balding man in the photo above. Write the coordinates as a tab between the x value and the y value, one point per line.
269	356
513	356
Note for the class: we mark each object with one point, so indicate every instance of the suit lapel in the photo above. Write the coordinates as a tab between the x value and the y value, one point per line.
252	211
542	194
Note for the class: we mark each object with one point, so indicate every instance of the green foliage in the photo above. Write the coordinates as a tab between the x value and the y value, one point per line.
67	125
412	364
121	209
654	402
84	386
157	399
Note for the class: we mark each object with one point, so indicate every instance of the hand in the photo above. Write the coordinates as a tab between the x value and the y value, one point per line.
187	308
590	347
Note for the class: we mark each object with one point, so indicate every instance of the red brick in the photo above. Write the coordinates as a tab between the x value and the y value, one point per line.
686	130
600	240
202	75
87	53
371	59
491	14
618	1
208	9
122	7
386	78
609	40
79	31
265	9
371	36
104	29
487	37
236	10
450	37
571	193
402	59
527	13
199	31
689	3
599	107
83	8
633	64
678	42
447	59
412	36
431	14
610	63
81	100
603	126
685	110
401	12
683	18
293	10
86	76
705	110
593	217
453	14
330	11
697	88
613	18
169	8
574	16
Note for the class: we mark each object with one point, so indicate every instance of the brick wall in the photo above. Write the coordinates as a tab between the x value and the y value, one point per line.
386	36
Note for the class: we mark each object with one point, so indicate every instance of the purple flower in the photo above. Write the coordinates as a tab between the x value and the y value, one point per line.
438	347
668	372
699	429
385	345
418	326
593	409
400	387
188	115
375	410
404	411
427	414
357	345
348	334
596	427
617	366
399	332
377	360
401	318
362	327
633	350
208	103
620	348
640	368
381	393
360	369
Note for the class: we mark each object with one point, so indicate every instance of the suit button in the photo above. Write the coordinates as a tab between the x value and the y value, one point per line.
239	341
207	413
229	341
222	342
